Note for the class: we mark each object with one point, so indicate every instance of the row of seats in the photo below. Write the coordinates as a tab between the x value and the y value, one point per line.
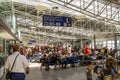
70	60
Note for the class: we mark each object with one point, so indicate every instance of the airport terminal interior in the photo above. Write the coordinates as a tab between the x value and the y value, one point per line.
62	39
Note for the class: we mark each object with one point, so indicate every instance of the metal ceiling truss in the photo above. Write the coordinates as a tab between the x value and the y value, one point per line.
47	31
42	38
27	16
73	21
89	8
96	26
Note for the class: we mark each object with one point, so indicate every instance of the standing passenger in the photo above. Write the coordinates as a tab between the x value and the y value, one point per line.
106	51
21	66
21	50
89	70
69	50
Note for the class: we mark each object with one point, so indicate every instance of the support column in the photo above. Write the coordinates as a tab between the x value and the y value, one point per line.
106	41
72	43
115	41
116	37
13	18
102	44
81	43
94	41
14	42
118	43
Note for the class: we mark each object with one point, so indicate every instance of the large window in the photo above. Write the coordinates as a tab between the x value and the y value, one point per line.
110	44
104	43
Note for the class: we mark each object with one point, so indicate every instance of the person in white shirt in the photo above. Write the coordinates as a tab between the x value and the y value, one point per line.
21	66
80	52
69	50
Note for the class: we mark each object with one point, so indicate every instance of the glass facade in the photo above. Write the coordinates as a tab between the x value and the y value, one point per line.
7	10
110	44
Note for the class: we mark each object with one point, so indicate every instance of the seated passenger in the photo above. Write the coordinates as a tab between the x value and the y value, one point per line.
109	72
119	70
58	59
63	59
44	61
80	52
53	60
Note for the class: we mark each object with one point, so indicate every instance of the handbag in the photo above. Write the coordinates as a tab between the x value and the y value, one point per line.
9	72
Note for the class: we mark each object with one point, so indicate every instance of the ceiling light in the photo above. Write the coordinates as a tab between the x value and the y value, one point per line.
55	8
33	27
80	17
41	8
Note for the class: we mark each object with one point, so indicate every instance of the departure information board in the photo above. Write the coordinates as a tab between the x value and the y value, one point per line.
48	20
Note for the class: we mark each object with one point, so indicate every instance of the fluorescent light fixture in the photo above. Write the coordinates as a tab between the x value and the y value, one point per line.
33	27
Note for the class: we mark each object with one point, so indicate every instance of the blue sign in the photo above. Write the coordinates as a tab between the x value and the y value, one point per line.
31	41
49	20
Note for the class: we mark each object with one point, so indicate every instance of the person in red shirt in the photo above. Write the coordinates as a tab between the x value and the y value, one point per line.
87	49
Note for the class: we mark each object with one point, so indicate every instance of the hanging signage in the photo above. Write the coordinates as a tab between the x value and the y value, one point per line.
31	41
63	21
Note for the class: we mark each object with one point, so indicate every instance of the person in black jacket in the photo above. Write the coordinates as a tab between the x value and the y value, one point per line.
109	70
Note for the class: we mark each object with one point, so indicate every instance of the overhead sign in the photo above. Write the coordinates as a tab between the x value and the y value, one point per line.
31	41
63	21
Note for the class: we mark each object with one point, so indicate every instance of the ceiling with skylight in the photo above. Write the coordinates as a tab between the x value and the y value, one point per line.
89	18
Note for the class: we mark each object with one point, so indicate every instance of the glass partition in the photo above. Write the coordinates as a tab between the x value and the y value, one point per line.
2	57
7	10
1	52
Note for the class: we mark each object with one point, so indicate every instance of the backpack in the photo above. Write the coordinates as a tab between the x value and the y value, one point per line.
97	69
108	74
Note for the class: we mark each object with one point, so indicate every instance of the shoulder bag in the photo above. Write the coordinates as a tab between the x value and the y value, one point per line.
9	72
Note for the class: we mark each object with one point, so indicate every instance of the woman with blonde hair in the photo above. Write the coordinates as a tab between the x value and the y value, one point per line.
109	72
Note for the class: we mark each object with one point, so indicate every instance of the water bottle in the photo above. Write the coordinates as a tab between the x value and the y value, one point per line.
113	72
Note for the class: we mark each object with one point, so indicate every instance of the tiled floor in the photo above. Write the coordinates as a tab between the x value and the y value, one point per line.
76	73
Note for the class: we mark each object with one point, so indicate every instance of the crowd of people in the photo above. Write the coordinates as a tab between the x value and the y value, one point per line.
59	56
108	56
16	65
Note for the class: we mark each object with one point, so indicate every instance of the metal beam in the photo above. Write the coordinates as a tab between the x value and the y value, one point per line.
89	4
70	1
27	14
116	12
31	11
91	14
102	10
